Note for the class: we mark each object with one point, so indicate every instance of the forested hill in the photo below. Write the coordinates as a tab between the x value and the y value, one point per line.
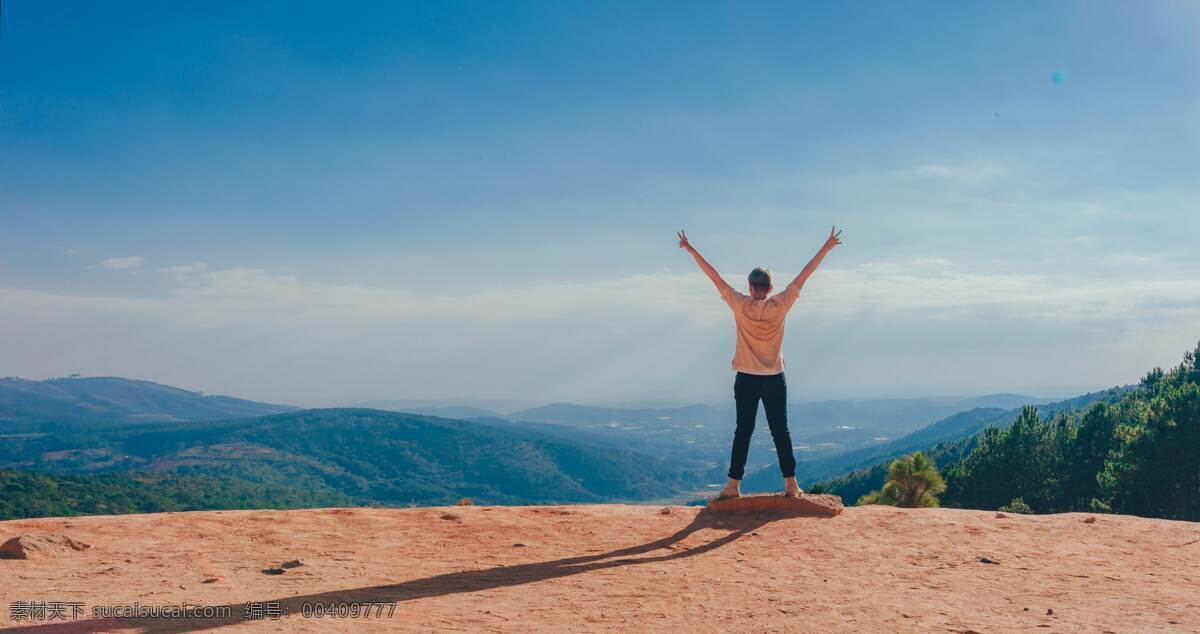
951	429
31	494
362	456
1136	451
946	442
113	400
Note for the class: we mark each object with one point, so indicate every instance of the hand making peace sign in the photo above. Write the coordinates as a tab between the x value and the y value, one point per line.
834	239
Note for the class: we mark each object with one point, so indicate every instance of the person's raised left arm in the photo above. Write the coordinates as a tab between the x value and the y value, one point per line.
708	269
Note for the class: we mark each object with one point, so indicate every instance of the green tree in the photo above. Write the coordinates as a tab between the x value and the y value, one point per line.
1025	460
913	482
1153	468
1085	458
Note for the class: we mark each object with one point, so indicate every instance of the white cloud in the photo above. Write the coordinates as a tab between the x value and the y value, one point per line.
130	262
194	267
925	324
933	285
973	172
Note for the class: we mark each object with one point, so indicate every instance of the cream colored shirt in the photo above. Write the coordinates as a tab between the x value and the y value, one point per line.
759	328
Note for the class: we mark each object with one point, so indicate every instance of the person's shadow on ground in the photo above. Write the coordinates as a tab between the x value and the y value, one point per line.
737	525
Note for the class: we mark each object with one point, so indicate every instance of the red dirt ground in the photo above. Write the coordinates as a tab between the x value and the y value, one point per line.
606	567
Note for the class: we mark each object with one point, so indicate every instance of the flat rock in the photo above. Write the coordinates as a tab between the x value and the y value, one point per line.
39	545
806	505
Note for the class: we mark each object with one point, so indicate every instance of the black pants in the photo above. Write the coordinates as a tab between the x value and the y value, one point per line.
748	389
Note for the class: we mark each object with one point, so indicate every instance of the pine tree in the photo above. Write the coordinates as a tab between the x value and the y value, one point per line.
913	482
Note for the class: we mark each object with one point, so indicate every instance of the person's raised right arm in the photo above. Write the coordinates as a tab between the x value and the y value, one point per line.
832	241
708	269
790	293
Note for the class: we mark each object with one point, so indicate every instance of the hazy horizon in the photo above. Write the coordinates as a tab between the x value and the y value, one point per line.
507	404
297	204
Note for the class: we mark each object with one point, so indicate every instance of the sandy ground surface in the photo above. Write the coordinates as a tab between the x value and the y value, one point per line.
610	567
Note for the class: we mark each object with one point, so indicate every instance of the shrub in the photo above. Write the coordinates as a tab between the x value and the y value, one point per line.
1017	506
913	482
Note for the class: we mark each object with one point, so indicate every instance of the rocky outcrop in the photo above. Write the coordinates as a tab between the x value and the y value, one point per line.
805	505
40	545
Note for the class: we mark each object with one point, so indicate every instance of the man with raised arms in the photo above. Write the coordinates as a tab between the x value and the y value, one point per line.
759	319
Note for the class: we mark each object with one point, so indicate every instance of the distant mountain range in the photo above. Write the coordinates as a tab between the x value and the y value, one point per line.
165	446
446	406
114	400
699	434
880	414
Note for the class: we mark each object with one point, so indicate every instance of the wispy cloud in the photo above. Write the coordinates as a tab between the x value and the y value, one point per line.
972	172
913	286
931	323
194	267
941	286
130	262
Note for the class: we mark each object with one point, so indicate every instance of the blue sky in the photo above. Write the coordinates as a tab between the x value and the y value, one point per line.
319	204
